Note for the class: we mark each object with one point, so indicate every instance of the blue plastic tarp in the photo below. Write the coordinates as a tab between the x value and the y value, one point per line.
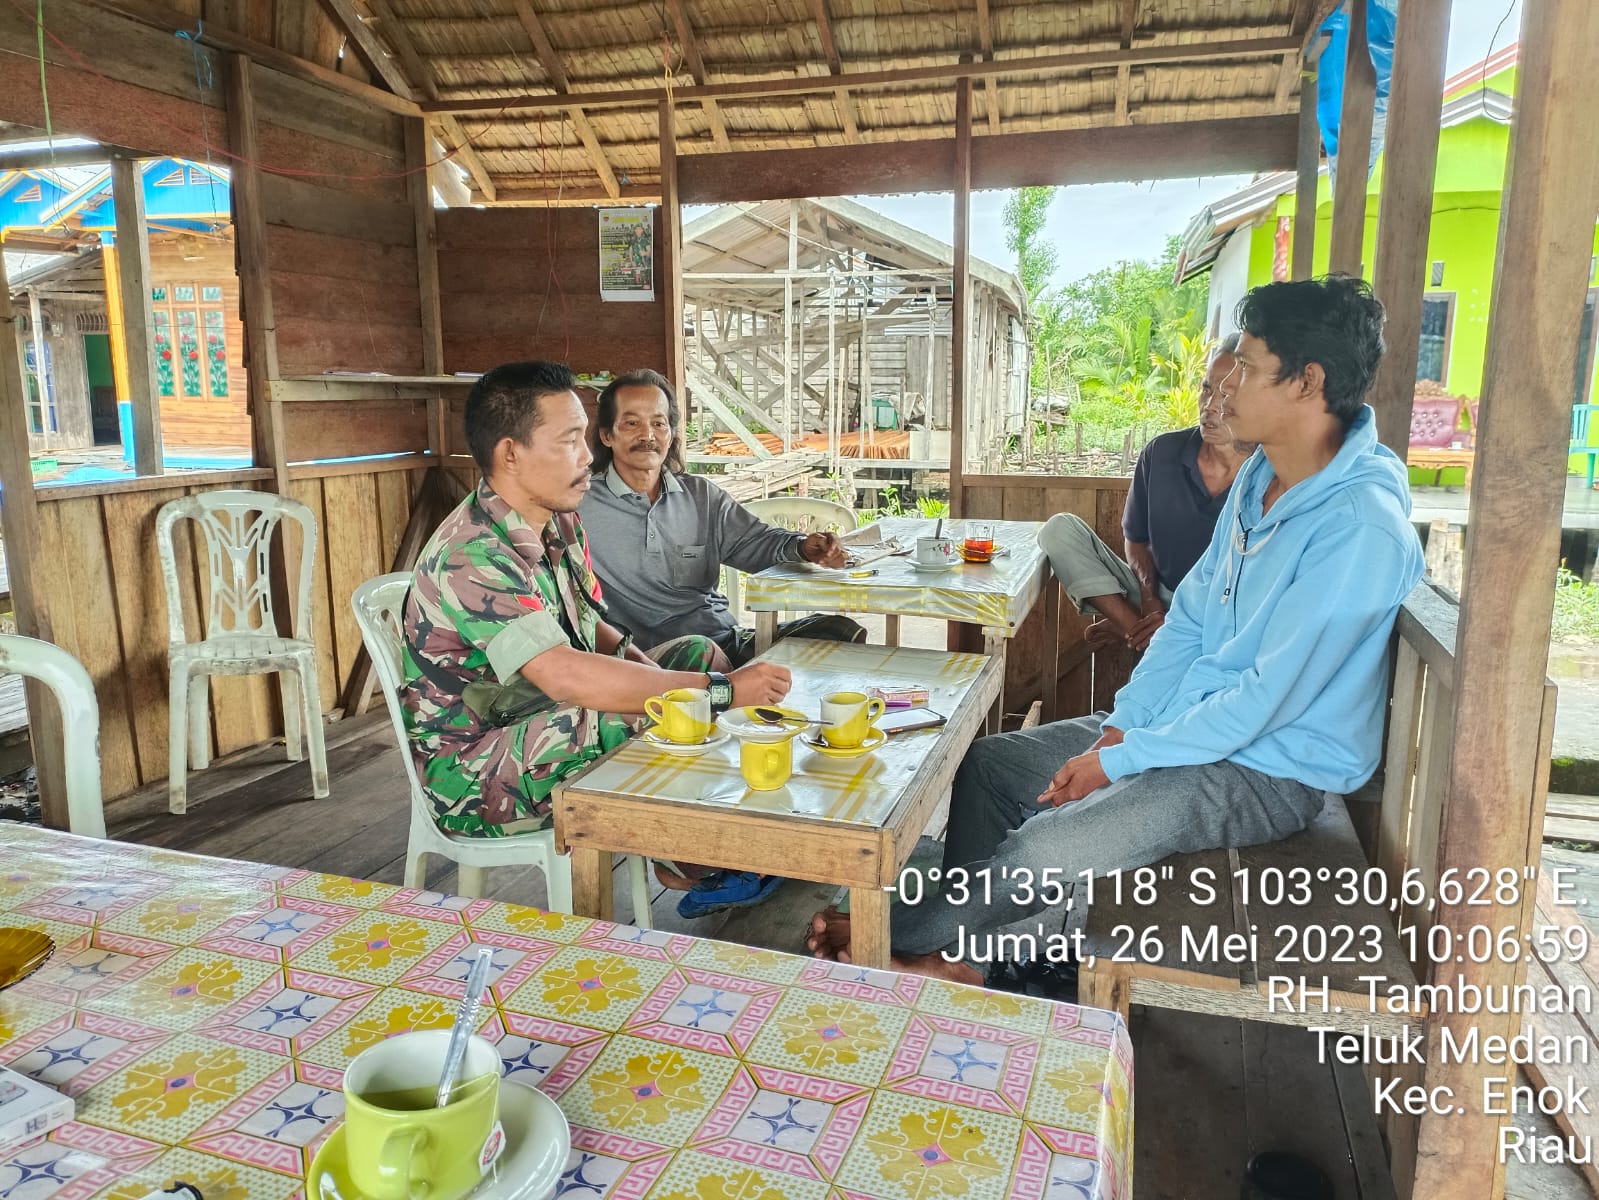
1381	17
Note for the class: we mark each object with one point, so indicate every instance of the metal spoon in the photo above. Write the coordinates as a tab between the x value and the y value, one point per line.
465	1021
776	716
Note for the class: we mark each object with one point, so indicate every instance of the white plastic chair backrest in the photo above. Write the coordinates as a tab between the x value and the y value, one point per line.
803	513
238	526
380	612
80	722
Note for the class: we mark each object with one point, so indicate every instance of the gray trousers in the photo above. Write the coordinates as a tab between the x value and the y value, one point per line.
1086	566
995	822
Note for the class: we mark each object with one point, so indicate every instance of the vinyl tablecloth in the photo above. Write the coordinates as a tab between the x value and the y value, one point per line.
201	1013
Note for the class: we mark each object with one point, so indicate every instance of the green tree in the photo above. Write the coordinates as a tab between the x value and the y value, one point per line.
1026	212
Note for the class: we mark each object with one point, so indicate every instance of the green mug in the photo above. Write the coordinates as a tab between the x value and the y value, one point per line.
398	1145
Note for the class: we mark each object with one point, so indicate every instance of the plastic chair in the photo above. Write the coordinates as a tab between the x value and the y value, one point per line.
241	630
80	722
379	607
803	514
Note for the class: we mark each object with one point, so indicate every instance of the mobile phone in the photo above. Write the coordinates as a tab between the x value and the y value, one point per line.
902	720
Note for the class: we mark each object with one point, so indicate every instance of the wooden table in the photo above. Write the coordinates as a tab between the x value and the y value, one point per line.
996	596
201	1013
851	821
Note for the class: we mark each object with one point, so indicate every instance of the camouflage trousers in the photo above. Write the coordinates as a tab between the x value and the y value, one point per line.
499	784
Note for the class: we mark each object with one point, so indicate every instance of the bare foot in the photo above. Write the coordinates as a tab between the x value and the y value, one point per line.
829	938
692	874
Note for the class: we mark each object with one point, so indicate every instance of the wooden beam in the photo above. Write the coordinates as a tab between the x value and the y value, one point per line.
417	142
1068	156
138	319
1404	216
1491	817
669	249
172	20
985	42
799	85
835	65
67	156
1307	180
1346	250
416	74
696	66
1293	62
30	598
960	334
550	60
255	271
368	47
1124	73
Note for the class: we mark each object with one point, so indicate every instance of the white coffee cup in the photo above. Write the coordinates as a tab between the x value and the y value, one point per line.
935	551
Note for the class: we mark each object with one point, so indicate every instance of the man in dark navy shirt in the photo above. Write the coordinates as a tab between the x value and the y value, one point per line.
1178	489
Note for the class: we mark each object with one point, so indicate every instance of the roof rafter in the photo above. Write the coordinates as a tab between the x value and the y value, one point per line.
408	77
1124	72
696	68
835	65
1075	60
550	60
985	41
1307	18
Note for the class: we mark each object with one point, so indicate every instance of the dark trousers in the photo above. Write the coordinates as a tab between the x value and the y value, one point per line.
739	643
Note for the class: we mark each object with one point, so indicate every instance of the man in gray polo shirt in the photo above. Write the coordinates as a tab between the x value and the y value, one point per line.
1179	487
659	536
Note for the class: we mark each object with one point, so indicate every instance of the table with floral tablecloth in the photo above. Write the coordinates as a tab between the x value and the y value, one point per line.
201	1013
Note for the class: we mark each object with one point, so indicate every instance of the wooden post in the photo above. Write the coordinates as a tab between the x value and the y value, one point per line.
1491	817
1404	219
255	288
669	251
115	322
1309	178
138	320
417	142
30	601
1354	149
962	286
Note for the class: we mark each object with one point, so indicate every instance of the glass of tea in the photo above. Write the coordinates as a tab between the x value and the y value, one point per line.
978	545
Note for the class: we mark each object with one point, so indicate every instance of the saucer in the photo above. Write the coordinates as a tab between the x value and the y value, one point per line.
687	749
934	568
739	723
537	1142
874	739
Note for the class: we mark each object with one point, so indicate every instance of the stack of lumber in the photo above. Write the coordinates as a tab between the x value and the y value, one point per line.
884	444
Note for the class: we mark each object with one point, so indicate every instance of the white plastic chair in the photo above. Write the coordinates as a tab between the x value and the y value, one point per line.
379	609
241	630
80	722
803	514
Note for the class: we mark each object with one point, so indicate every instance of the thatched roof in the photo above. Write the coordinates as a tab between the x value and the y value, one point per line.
1153	61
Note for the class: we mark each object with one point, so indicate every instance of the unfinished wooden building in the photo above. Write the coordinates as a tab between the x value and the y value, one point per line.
824	325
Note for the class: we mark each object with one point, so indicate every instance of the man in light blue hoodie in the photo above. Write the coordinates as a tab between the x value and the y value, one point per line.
1264	689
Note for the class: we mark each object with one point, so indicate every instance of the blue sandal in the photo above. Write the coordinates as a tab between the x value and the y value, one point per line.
725	890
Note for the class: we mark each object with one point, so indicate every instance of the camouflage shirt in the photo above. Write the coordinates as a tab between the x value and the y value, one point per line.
491	593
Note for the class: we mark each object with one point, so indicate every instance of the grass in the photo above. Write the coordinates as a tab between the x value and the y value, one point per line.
1576	608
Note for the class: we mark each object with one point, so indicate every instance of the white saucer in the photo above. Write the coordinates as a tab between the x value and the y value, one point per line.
537	1142
739	723
688	750
934	568
874	739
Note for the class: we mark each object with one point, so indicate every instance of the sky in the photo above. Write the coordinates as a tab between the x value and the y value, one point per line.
1100	225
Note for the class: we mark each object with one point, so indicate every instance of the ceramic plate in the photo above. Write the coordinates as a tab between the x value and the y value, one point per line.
656	742
537	1142
741	724
933	568
874	739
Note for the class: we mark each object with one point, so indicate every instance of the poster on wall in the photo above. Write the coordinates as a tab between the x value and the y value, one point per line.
627	254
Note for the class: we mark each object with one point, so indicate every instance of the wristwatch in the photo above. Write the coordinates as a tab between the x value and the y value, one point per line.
721	692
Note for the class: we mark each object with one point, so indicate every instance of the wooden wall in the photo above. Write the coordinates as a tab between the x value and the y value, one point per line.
523	283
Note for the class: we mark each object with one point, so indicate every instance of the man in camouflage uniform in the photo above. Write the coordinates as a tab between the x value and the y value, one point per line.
513	677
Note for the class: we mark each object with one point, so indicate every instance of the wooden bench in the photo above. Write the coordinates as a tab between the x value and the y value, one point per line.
1190	972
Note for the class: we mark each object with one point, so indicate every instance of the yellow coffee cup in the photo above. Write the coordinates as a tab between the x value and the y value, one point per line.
682	715
847	718
766	765
398	1146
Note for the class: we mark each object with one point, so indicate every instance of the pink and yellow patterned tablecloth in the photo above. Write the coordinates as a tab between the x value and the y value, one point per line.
201	1012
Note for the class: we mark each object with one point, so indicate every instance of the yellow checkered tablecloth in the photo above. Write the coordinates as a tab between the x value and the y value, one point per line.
201	1013
861	791
996	595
